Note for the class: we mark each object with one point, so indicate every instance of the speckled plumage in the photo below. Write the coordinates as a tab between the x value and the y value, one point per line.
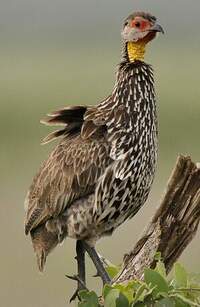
101	172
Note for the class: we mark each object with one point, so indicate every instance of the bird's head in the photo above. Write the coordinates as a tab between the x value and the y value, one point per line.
139	28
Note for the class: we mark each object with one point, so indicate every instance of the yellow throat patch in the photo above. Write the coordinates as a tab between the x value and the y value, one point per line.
136	51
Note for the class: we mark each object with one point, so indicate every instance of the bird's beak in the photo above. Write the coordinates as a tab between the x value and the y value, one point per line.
157	28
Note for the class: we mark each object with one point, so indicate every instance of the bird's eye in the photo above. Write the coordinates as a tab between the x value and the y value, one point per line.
137	24
126	23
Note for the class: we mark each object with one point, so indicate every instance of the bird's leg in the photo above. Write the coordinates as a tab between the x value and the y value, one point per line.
80	252
98	263
80	278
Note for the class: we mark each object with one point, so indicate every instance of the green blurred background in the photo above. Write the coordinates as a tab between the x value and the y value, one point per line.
55	53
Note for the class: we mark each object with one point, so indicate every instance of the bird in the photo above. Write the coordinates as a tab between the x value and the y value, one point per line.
101	171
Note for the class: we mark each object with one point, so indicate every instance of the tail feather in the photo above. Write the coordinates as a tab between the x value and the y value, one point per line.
70	117
65	116
67	131
47	236
43	243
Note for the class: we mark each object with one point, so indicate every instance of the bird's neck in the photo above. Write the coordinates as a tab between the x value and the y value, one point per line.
135	51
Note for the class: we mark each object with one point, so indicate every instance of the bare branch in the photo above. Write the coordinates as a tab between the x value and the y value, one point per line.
173	226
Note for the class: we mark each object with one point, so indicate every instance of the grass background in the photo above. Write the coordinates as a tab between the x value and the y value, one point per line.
57	53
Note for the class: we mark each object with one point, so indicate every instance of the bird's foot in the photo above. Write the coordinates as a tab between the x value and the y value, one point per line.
81	286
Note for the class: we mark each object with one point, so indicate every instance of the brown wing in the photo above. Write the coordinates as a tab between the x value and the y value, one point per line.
71	171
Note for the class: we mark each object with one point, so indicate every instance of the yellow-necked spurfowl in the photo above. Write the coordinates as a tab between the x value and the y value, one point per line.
102	169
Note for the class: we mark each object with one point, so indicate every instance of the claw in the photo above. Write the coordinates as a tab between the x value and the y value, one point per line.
81	286
74	296
73	277
78	279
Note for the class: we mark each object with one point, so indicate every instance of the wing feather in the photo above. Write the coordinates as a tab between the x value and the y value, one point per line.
71	171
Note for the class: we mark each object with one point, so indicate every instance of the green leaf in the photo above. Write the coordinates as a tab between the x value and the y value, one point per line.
112	270
115	299
125	291
185	300
165	302
156	291
88	299
181	277
154	279
122	301
160	268
180	303
139	295
139	304
128	289
111	297
106	290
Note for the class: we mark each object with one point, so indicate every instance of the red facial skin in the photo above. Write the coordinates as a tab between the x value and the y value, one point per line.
143	25
140	24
